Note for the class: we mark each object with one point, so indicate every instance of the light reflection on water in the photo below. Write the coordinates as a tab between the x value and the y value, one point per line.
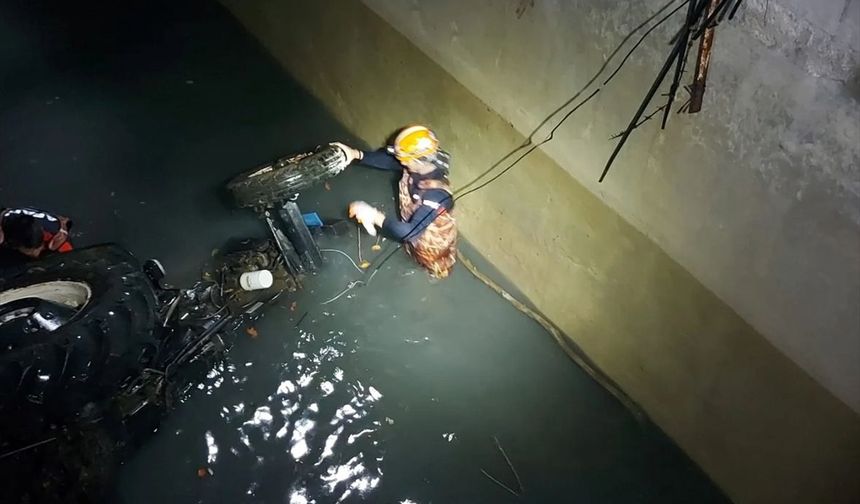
317	420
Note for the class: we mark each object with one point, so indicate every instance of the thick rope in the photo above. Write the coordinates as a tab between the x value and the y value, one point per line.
569	347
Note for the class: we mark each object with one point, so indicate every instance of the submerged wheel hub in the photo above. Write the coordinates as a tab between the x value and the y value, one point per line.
40	307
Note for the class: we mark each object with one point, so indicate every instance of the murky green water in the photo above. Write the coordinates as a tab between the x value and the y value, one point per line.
129	118
394	393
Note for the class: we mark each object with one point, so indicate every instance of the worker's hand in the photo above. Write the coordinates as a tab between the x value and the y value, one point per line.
58	240
367	216
351	153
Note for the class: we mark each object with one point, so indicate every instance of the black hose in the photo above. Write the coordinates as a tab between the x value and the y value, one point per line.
681	62
735	9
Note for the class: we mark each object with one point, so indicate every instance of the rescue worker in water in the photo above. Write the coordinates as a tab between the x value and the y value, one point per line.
425	224
27	234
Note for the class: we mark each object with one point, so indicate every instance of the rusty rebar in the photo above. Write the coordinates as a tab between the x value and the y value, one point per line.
703	61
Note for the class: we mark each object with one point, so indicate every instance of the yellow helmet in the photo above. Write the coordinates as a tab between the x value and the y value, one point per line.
415	142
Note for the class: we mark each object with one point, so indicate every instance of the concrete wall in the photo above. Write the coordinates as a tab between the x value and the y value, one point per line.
754	420
758	196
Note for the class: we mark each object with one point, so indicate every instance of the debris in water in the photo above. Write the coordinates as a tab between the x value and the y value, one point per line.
327	388
375	395
252	332
376	248
298	497
365	264
448	436
203	472
389	420
327	186
293	306
211	448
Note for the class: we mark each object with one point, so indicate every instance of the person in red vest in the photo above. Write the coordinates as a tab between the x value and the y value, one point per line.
27	234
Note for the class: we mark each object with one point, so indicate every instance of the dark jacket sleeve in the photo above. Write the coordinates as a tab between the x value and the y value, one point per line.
381	159
402	231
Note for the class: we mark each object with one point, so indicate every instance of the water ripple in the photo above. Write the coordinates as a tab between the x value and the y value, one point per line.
317	423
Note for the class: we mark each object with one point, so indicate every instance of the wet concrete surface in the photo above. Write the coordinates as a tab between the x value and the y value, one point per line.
129	117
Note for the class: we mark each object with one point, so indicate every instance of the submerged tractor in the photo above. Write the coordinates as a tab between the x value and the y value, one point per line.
95	348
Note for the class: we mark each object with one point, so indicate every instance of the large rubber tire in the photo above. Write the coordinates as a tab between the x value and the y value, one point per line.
108	341
272	183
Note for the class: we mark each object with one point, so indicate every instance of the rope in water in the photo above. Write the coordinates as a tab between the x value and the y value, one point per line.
345	255
349	287
570	348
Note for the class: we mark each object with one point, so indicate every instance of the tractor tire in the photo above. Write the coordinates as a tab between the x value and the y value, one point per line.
110	338
273	183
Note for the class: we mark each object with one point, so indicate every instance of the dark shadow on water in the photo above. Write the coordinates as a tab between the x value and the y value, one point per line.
129	116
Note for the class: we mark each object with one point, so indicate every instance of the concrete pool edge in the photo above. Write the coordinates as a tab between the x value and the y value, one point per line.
752	419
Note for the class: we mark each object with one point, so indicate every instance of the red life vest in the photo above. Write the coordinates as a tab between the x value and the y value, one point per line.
64	247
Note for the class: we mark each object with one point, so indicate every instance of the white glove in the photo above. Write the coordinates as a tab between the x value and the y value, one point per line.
351	153
367	216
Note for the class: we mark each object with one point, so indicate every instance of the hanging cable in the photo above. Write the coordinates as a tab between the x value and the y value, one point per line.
530	139
642	39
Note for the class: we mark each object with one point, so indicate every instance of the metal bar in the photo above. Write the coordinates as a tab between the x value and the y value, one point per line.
684	39
735	9
291	259
300	236
703	61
